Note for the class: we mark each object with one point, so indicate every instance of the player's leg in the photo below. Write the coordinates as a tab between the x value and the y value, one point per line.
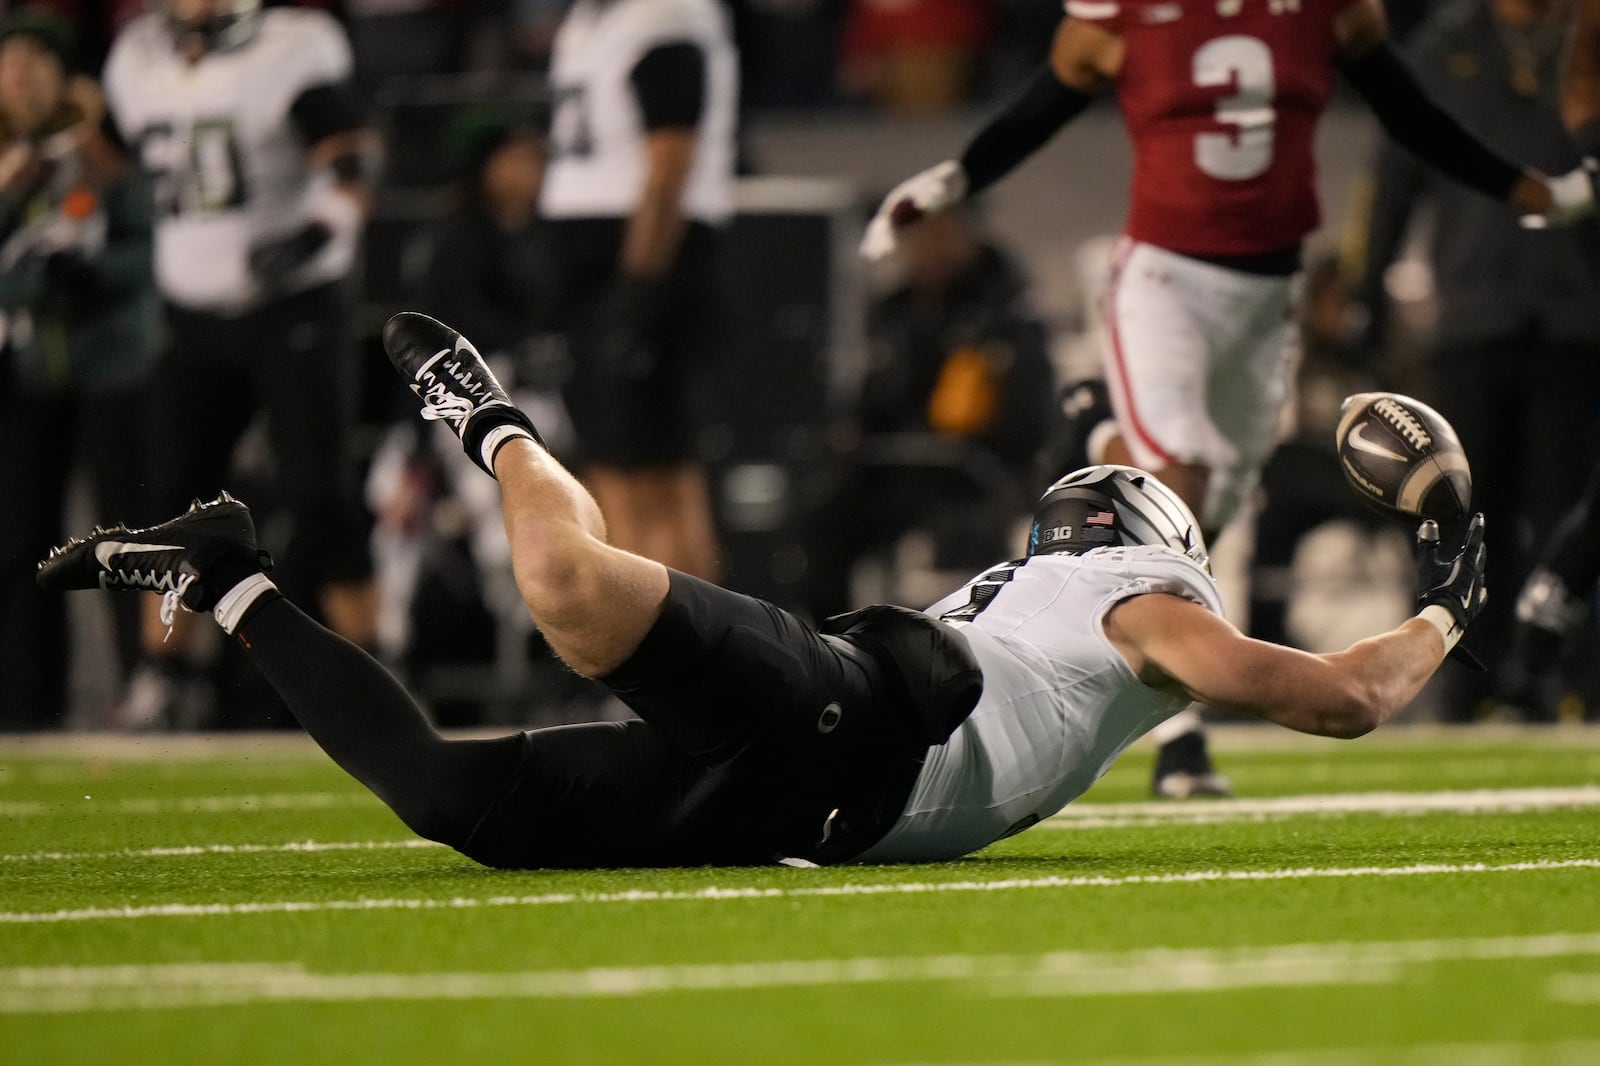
206	559
592	602
1158	372
306	376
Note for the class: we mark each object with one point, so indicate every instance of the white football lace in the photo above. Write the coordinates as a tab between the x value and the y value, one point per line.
446	408
171	601
1404	421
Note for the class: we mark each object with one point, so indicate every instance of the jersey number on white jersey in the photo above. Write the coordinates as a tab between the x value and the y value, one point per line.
984	590
202	173
1245	63
571	133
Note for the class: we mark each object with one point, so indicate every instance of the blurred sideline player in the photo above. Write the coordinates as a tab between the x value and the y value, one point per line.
1554	603
259	155
1221	101
638	186
889	735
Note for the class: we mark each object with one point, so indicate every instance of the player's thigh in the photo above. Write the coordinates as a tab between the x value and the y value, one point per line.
1249	393
1158	361
720	670
594	794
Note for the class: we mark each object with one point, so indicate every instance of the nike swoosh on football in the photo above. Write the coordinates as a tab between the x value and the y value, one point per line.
1360	443
106	550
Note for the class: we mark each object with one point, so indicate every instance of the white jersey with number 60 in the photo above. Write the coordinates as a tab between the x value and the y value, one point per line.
229	166
1059	702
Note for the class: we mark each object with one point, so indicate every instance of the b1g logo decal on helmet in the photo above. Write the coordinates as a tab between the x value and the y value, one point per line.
1101	506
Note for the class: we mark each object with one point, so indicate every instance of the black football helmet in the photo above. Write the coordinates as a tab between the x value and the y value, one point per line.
214	27
1106	506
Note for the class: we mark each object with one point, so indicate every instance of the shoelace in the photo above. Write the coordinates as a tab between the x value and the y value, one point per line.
171	601
446	408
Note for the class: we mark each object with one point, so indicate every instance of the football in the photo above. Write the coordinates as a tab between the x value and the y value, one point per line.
1401	455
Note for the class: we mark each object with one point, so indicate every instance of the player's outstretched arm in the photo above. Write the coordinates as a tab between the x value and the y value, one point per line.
1416	120
1176	644
1084	59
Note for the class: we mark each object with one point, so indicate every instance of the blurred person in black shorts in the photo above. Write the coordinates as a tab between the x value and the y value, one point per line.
638	187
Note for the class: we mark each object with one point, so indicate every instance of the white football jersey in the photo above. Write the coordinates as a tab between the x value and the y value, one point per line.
1059	702
597	163
230	168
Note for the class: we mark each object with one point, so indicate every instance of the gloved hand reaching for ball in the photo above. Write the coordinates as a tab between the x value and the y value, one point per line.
1450	590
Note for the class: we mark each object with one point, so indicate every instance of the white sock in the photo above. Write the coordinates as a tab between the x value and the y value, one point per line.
237	600
498	436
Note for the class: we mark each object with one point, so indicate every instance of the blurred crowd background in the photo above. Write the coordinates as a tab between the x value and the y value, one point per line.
870	434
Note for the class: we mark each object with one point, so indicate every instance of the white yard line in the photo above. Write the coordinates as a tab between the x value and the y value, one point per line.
1077	974
1580	988
185	851
1332	805
1488	1053
717	895
268	801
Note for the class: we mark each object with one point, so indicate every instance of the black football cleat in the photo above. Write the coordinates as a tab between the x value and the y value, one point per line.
192	559
451	379
1184	771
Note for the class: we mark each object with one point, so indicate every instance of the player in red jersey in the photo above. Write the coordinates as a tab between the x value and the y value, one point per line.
1221	99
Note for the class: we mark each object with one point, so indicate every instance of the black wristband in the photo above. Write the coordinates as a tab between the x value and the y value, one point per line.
1042	107
1415	120
1587	138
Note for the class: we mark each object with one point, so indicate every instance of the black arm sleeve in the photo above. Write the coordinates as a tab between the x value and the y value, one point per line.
323	110
670	82
1032	117
1415	120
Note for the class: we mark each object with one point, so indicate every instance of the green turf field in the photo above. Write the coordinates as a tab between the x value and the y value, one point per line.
1414	897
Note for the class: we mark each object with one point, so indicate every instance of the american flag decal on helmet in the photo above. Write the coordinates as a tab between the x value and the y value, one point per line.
1103	518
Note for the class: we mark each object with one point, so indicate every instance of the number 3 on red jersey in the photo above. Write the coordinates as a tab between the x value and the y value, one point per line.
1245	151
1221	99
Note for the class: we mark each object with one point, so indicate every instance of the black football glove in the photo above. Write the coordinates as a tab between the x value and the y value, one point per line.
273	259
626	339
1456	584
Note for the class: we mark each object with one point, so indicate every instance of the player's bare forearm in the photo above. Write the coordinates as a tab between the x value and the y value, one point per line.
655	229
1580	89
1175	644
1383	674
